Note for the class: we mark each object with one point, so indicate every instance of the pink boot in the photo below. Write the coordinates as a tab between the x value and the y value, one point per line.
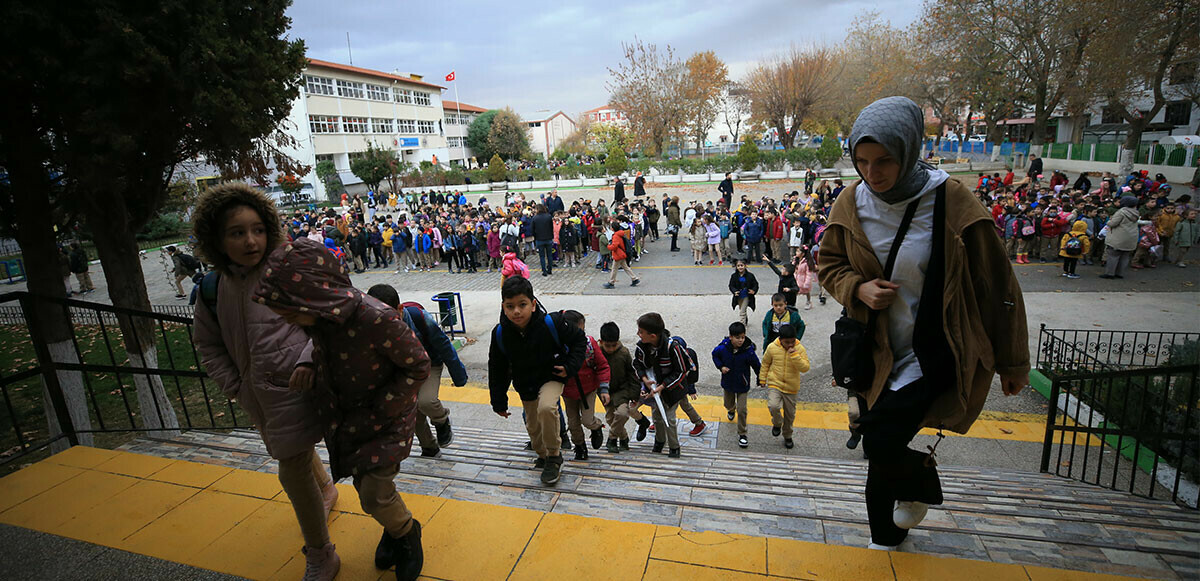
321	564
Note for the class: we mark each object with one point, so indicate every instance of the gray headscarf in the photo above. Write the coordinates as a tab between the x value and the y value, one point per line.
898	125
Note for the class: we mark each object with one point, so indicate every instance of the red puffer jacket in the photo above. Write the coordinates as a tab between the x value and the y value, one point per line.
593	374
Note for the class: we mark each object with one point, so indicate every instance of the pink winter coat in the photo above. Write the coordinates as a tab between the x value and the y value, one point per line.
513	266
804	277
493	243
251	354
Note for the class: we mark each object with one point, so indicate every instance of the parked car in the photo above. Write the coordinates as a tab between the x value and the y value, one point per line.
304	196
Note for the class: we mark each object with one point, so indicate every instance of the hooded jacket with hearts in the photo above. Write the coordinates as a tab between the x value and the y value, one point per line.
369	364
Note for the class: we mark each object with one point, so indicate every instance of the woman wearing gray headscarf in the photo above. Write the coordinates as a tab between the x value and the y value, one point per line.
948	318
1122	238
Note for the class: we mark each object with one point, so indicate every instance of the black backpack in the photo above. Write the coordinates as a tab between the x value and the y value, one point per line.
189	262
692	373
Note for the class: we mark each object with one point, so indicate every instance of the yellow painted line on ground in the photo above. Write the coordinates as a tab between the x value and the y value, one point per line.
240	532
821	416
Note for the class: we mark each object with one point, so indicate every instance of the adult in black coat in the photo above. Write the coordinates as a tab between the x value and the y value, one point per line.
618	189
639	186
726	189
543	238
1035	166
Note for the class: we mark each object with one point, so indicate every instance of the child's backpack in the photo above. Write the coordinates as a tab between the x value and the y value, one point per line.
208	292
1074	246
692	371
629	248
1028	229
189	262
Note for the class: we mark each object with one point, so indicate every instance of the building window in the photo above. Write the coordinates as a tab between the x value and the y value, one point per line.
323	123
407	126
403	96
455	141
354	124
324	157
451	119
353	155
1179	113
318	85
425	127
350	89
421	98
1110	115
378	93
381	125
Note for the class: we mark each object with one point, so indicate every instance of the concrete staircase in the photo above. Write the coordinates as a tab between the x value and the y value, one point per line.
990	515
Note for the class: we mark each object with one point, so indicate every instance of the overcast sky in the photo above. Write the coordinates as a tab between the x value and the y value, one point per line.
555	55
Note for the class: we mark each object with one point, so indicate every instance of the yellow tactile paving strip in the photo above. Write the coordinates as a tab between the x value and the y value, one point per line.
236	522
822	416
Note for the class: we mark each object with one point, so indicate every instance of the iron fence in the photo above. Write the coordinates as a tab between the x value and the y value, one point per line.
1125	410
99	384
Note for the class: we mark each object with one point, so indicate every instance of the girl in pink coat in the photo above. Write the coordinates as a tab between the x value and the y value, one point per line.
260	360
806	274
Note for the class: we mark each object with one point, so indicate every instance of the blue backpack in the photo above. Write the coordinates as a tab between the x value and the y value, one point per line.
498	337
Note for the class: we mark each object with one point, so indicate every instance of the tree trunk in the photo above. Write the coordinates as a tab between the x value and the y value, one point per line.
127	288
1129	147
33	218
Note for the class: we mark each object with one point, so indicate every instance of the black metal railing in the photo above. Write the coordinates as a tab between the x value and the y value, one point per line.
98	385
1125	410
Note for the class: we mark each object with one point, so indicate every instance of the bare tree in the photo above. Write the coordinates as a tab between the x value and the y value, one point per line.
647	87
735	108
792	87
876	61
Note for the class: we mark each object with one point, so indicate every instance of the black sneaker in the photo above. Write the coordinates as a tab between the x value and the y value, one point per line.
528	445
743	442
409	557
384	553
539	463
635	282
732	413
597	439
623	444
674	453
445	435
581	453
566	442
776	430
788	443
643	427
613	446
431	452
552	470
658	447
852	443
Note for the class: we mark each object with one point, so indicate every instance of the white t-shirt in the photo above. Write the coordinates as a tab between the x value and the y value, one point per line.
880	221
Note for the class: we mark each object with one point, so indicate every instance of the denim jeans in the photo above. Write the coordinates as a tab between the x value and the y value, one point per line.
545	250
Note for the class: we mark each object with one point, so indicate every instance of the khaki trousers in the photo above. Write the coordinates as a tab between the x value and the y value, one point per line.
377	495
665	430
743	304
541	420
303	477
783	410
736	403
579	418
430	408
617	416
621	265
85	281
686	405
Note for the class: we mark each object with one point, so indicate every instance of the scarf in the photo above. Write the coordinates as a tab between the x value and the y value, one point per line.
897	124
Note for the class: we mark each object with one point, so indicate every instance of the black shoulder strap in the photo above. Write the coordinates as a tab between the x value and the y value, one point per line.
899	239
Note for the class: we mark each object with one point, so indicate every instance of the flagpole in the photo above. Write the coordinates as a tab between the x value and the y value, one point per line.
458	120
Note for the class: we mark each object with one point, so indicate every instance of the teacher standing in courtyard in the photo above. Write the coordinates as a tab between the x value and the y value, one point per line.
948	318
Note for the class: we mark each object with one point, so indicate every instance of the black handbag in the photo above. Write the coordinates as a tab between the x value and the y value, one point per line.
851	345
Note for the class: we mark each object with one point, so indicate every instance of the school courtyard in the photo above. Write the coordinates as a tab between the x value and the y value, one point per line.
205	504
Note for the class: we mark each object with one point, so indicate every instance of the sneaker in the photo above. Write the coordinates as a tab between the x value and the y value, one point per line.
321	564
609	285
789	443
1064	274
643	427
776	430
539	463
731	415
528	445
635	282
651	428
852	443
445	435
658	447
698	429
566	442
674	453
581	453
1072	276
1108	276
743	442
909	514
613	446
409	557
431	452
597	439
553	470
883	547
623	444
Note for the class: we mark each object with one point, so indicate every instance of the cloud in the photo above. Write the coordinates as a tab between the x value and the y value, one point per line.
537	55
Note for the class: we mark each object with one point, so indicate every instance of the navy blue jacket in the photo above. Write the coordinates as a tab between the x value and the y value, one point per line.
739	362
754	230
438	346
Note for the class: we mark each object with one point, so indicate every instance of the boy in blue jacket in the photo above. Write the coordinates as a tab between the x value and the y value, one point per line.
442	355
735	357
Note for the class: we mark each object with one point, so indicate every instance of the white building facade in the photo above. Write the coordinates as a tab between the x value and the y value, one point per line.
459	117
547	130
342	108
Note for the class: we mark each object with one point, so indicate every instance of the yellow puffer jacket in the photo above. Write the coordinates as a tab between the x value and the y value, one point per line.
781	368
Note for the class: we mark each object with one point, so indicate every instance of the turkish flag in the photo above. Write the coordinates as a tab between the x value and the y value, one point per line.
450	77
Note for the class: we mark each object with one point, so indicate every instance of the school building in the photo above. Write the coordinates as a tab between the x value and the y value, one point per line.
459	117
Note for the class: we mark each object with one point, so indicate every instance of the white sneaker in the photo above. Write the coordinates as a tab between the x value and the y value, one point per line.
882	547
909	514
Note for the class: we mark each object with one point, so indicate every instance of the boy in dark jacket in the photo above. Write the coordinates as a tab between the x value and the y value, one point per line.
369	365
735	357
621	403
521	343
442	355
660	365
